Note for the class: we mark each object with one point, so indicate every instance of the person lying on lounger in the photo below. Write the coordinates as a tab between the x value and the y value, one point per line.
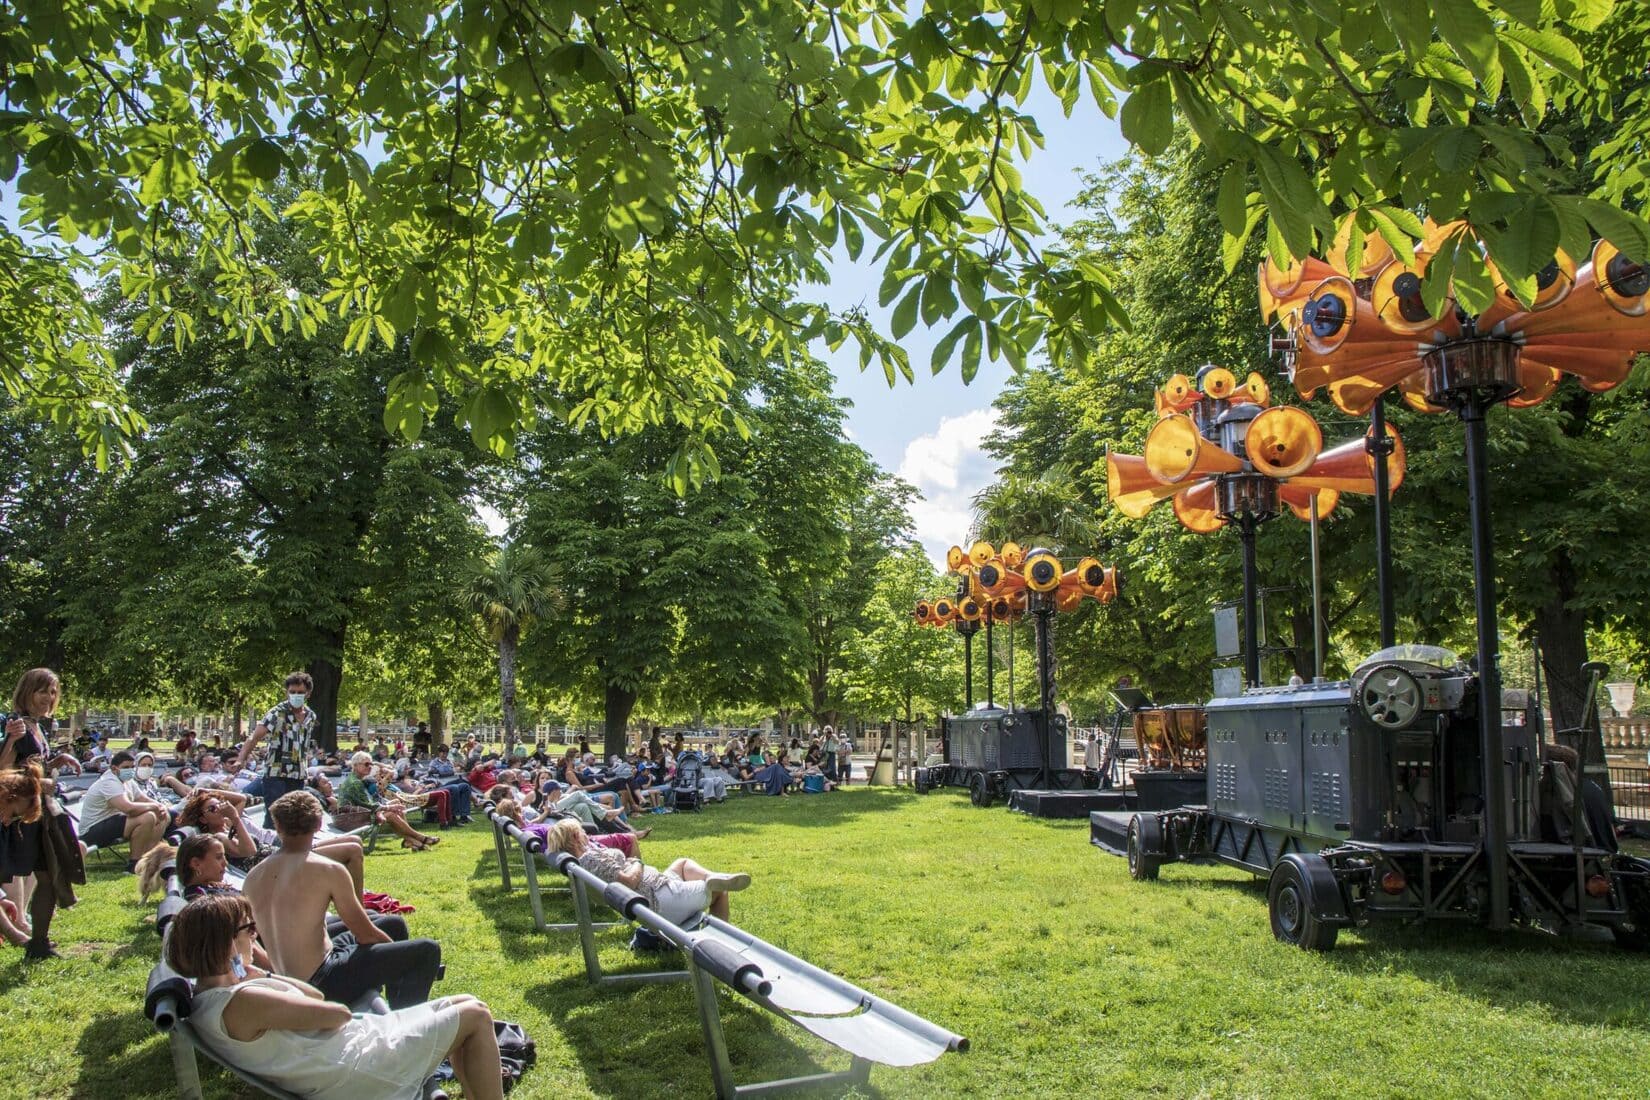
626	842
679	893
283	1030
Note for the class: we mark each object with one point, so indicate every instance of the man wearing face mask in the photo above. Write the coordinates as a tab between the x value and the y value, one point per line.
290	726
109	812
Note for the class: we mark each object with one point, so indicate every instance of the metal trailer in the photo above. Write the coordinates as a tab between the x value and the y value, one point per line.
994	752
1365	800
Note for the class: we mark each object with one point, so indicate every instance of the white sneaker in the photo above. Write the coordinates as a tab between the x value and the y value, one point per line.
727	884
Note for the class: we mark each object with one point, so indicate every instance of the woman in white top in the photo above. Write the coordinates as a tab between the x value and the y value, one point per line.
282	1030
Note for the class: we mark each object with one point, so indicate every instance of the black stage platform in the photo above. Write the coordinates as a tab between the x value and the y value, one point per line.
1069	804
1109	829
1148	790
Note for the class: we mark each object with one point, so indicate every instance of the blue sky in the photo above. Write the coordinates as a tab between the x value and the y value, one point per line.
928	431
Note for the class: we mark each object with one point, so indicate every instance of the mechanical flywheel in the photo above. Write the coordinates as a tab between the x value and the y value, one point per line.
1389	696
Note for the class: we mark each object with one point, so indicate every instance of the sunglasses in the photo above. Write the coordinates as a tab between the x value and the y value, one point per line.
249	926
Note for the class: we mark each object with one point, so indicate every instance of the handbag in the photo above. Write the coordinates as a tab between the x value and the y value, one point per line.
347	819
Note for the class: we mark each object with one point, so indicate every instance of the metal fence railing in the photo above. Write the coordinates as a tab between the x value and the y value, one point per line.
1630	787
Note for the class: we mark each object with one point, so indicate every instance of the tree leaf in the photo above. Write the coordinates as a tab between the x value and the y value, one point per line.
1147	118
1232	202
905	313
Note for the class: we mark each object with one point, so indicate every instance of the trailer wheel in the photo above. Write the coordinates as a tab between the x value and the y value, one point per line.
979	789
1145	847
1294	916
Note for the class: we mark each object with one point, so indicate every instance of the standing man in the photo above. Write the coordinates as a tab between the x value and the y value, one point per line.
291	725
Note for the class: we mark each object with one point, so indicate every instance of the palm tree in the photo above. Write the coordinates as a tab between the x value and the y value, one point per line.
508	590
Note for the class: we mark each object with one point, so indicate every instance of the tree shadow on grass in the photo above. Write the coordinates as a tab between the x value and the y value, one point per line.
117	1049
1585	980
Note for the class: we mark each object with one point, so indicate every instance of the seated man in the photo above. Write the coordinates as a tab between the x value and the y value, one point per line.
442	772
212	774
291	892
108	813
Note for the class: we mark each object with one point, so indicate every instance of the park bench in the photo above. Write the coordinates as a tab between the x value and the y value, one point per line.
868	1028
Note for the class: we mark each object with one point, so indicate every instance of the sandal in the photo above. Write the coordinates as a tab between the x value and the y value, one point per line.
430	841
415	845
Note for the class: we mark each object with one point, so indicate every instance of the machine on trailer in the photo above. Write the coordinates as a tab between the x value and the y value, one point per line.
1364	800
994	752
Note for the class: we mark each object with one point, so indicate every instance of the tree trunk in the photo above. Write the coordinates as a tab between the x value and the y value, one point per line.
437	710
507	683
615	716
235	729
1561	632
328	673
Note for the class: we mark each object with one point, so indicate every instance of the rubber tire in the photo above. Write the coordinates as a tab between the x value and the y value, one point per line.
1145	848
979	789
1289	906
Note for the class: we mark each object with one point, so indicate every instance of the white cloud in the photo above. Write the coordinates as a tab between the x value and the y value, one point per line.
948	467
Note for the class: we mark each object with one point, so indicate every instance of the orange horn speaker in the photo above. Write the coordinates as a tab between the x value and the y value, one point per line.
1219	383
1176	450
1624	282
944	610
997	579
969	609
1176	395
1131	487
1254	391
1067	599
1300	500
1553	284
1396	300
1350	468
924	609
1108	587
1195	508
981	552
1012	555
956	560
1376	252
1001	610
1280	286
1042	571
1283	441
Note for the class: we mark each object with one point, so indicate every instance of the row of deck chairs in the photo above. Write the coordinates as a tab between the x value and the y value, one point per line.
870	1029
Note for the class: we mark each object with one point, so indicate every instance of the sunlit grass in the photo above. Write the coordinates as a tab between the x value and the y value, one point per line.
1068	978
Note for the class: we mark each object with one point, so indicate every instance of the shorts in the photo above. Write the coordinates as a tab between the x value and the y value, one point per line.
680	902
111	830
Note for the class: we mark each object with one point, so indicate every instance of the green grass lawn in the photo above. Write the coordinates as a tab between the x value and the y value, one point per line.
1067	977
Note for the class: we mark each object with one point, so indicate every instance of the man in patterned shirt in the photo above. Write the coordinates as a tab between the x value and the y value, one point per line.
290	725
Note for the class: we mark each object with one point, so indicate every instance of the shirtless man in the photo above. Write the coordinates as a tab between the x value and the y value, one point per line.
290	894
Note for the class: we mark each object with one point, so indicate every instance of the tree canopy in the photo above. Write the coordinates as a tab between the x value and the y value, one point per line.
595	210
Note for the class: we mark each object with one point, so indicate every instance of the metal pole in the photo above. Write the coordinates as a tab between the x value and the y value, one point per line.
1045	677
1011	696
1251	617
1380	447
968	670
1317	598
990	668
1472	411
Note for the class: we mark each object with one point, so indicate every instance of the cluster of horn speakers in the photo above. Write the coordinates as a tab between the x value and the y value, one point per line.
1220	449
1361	327
997	585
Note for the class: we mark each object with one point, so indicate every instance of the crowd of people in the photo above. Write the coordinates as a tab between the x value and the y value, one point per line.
274	932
